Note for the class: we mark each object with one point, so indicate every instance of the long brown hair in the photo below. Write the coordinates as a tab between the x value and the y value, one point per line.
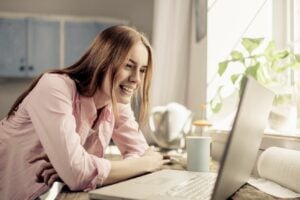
107	52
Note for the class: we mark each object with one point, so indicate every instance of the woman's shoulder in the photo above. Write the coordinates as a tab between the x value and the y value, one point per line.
57	78
57	81
52	83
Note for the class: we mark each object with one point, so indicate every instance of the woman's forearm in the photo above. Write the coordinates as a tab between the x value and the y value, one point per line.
123	169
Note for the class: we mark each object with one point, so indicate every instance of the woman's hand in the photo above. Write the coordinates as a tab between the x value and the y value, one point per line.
150	161
154	160
45	173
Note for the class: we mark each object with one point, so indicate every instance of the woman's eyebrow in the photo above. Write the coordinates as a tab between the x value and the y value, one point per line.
135	63
130	60
144	67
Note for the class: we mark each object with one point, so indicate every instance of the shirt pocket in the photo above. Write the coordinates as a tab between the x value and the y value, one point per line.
93	144
105	133
84	132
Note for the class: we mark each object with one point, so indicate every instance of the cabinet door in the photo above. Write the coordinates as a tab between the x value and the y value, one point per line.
78	37
43	46
13	37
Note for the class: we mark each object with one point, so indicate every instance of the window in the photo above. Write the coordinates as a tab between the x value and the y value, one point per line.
230	21
296	46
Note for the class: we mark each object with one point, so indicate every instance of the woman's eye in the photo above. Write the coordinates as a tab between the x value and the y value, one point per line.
143	71
129	66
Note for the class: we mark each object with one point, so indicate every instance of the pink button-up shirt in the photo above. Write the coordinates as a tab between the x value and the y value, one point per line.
55	119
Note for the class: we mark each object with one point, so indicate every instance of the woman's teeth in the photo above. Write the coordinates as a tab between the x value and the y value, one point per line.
127	89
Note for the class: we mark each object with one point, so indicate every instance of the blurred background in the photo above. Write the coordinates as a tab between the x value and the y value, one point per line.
190	38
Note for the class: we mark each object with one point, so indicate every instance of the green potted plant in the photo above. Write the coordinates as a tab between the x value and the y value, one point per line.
266	64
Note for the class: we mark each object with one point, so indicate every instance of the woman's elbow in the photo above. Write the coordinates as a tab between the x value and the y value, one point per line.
77	182
75	185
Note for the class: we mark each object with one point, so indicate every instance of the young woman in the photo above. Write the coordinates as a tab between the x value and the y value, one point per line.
70	115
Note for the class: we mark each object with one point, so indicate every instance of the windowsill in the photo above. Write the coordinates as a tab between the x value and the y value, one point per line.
283	134
267	132
270	138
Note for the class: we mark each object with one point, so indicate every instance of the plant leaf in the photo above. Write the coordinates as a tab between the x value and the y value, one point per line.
297	56
281	55
219	90
269	51
282	99
216	105
216	102
222	67
251	43
281	68
234	78
252	70
263	74
295	65
242	85
237	56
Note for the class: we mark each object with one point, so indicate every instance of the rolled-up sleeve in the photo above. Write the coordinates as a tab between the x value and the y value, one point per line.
127	135
50	107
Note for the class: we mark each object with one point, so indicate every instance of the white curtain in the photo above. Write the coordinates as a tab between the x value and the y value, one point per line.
171	44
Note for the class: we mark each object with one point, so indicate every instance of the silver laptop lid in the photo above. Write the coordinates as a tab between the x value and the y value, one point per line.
241	149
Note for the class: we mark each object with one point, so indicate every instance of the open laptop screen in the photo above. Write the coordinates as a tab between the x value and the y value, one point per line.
241	150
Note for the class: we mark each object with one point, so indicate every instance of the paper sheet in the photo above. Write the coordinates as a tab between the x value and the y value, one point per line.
281	166
279	171
272	188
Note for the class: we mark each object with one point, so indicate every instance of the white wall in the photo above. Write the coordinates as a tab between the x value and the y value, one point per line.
196	86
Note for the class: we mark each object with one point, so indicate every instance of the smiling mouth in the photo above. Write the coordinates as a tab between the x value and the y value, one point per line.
127	90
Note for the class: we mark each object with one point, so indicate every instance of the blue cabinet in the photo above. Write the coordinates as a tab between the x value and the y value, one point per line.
32	45
28	46
78	37
13	42
43	50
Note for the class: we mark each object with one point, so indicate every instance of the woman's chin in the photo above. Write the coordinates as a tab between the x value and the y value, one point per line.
124	100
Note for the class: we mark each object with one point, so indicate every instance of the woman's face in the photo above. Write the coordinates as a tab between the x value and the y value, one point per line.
131	74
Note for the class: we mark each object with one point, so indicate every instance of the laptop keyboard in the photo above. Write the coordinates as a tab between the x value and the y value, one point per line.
198	187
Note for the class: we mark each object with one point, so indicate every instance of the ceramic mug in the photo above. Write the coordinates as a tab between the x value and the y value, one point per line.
198	153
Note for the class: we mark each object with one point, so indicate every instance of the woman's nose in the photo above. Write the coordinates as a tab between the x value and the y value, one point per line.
135	77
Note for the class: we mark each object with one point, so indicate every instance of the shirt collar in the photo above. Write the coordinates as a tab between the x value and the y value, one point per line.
89	110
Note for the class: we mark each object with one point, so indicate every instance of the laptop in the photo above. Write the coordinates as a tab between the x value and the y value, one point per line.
238	159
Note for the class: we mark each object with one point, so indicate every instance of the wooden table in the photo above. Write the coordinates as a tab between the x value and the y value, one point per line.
247	192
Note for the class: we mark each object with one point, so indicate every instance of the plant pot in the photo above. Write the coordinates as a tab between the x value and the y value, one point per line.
283	118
